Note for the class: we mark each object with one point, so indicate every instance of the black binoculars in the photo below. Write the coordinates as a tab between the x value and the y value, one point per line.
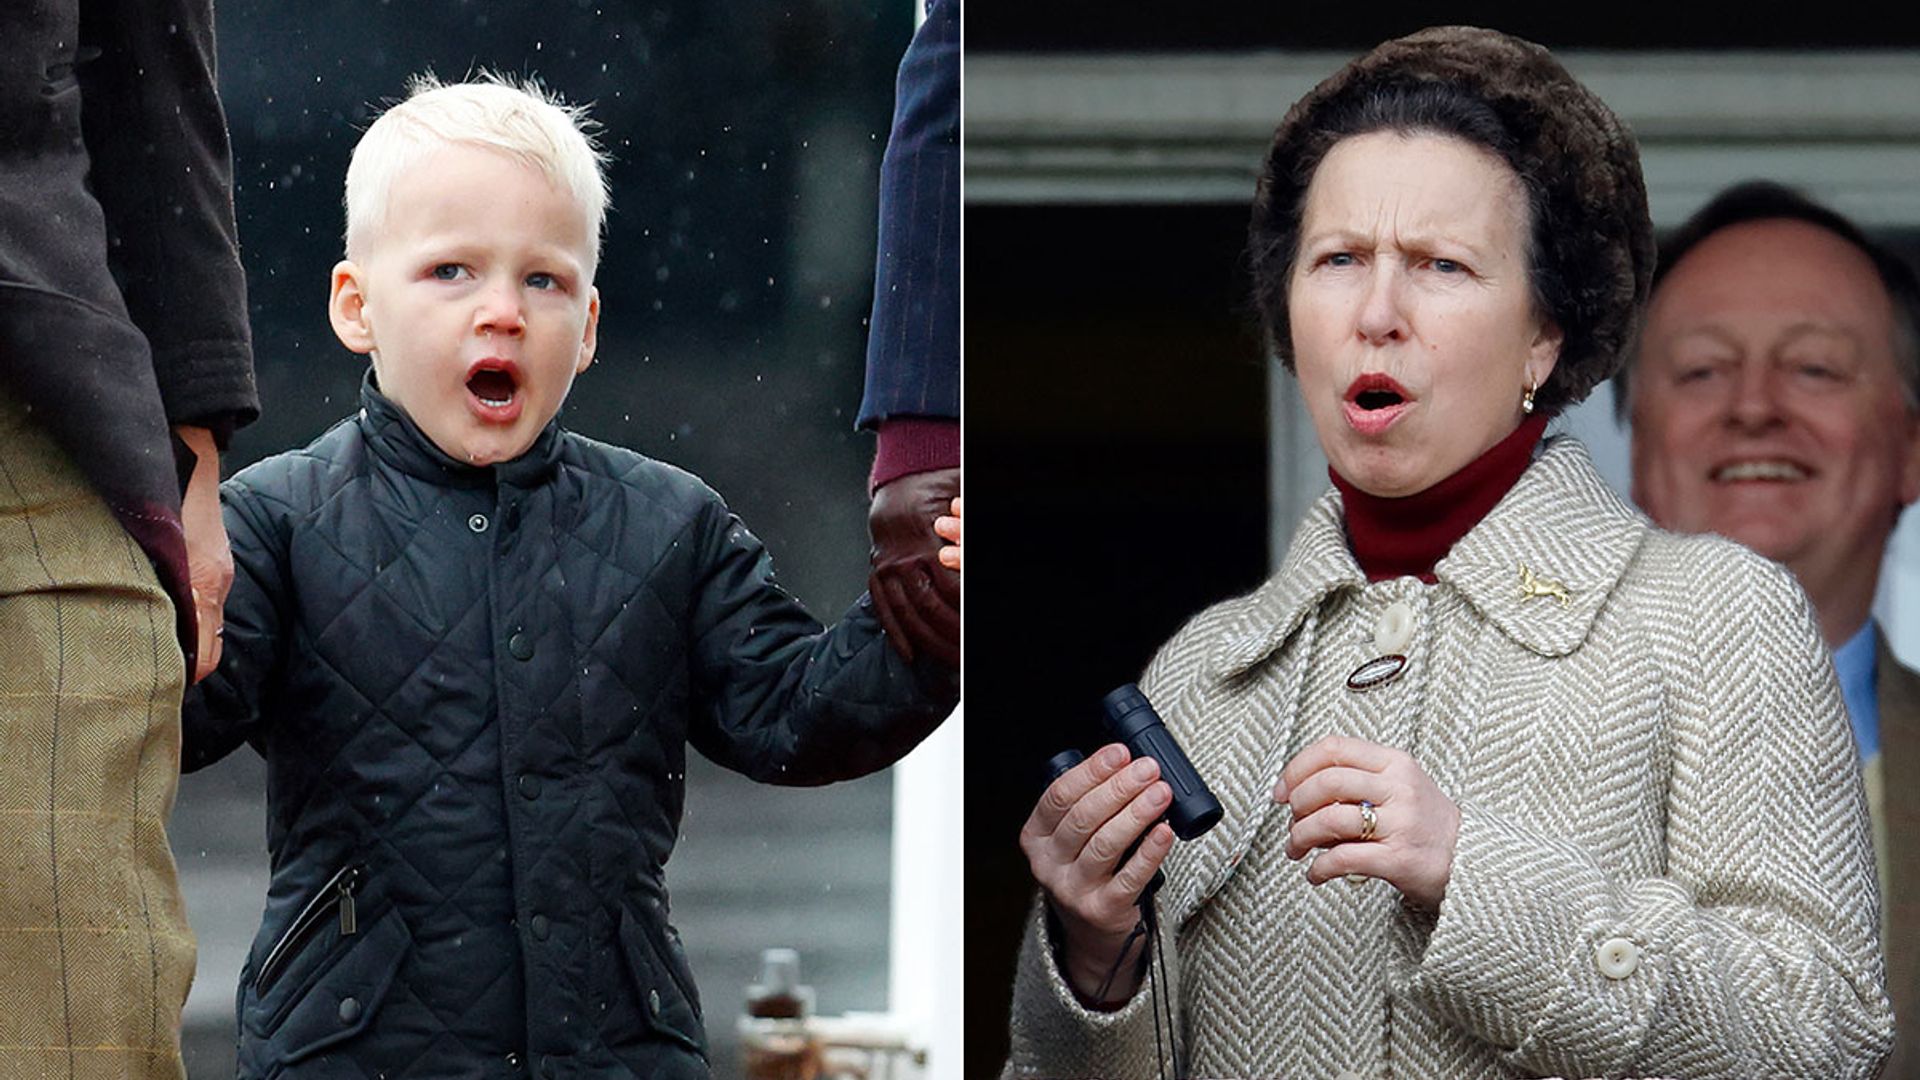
1129	719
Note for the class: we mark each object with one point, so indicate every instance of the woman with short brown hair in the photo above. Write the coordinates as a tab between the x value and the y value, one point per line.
1574	796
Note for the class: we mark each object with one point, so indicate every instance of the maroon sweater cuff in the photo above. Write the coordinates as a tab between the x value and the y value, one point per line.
911	444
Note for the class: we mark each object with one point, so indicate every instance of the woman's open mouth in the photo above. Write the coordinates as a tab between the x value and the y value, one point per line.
1374	402
493	390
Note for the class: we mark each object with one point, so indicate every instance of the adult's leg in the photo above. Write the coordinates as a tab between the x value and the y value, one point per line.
95	952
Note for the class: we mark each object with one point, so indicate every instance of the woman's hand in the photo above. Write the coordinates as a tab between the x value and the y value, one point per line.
1082	825
1415	825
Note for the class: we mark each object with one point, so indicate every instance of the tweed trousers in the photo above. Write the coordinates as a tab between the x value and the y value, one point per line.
95	953
1662	866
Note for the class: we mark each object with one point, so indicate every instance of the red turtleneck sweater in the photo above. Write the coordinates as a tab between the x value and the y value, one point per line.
1406	536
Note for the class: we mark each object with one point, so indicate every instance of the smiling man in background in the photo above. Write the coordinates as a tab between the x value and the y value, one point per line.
1775	400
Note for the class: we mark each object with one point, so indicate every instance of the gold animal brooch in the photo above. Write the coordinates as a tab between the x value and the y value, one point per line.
1533	585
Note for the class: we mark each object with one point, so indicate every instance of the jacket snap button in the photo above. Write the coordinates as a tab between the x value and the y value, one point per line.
520	645
541	927
513	1061
1617	958
529	785
349	1010
653	1002
478	523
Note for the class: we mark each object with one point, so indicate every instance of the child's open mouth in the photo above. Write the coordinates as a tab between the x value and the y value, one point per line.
493	390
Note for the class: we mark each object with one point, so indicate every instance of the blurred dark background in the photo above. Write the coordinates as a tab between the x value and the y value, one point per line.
1117	446
1118	397
735	285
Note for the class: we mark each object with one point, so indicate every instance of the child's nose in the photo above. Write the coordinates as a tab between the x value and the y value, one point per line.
500	312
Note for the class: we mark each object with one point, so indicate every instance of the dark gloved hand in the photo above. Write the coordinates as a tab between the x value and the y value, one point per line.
916	598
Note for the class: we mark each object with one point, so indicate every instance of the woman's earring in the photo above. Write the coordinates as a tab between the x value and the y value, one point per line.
1526	399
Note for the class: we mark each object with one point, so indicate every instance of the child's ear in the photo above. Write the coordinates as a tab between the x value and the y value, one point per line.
347	308
591	339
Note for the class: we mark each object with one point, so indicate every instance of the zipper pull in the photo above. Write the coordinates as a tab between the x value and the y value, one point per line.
349	923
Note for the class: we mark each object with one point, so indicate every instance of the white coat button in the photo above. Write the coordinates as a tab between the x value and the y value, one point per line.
1617	958
1394	630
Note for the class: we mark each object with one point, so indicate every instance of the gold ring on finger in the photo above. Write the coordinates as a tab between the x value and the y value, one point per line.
1369	820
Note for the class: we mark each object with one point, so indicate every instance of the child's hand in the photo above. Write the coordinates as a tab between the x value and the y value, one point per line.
949	529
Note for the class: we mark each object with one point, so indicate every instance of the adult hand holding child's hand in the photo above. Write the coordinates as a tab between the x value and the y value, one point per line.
914	583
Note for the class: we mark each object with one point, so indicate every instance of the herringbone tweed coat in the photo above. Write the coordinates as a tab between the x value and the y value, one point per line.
1663	865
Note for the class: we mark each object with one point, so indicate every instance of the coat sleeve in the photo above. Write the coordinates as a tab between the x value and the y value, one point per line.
1054	1035
1756	953
162	173
782	700
225	709
913	346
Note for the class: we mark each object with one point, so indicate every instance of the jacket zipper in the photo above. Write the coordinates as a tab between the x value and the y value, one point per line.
338	891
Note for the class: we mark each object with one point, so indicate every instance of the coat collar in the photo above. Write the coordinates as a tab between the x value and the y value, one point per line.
1561	522
397	440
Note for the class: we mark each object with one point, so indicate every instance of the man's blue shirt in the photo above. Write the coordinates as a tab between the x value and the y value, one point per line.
1854	663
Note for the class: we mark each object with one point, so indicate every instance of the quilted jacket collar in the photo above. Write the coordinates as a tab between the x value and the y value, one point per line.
398	441
1561	523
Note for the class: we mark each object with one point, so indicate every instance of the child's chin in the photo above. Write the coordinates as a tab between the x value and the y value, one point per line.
495	456
482	452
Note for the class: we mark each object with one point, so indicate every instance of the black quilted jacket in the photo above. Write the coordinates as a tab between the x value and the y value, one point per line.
474	689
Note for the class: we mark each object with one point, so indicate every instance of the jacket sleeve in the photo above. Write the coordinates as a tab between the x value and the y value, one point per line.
781	700
226	708
163	175
913	344
1756	953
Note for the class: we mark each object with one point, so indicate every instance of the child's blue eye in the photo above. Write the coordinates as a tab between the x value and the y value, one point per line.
447	271
542	281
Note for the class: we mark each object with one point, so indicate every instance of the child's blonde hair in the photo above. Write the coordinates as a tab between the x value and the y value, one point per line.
519	118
